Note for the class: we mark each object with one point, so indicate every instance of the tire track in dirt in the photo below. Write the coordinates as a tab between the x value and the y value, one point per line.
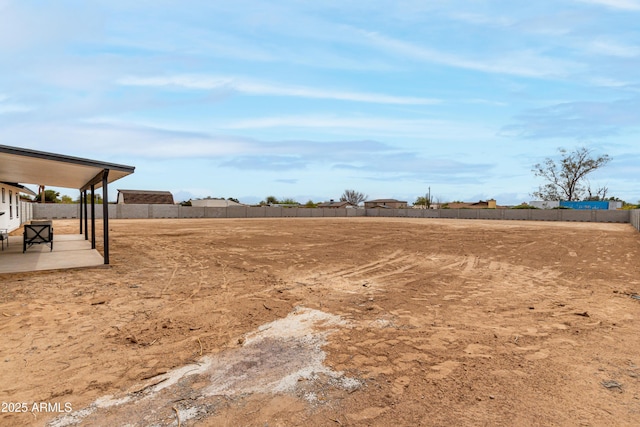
376	275
447	348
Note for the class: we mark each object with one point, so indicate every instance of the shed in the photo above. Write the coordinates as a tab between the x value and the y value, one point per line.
144	197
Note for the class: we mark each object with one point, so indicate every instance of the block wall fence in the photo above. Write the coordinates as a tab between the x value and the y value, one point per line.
61	211
634	218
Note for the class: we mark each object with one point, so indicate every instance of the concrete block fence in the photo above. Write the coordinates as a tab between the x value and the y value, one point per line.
635	218
61	211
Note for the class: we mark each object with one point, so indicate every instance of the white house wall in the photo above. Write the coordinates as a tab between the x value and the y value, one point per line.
16	212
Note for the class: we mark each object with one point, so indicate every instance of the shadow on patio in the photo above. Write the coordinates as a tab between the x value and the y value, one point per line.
69	251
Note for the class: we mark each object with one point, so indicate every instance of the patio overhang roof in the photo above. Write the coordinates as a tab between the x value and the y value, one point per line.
56	170
21	165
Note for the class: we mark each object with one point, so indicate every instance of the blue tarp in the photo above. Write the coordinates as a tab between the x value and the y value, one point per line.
604	205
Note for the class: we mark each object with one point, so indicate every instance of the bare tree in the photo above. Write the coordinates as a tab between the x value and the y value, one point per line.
600	193
354	197
565	179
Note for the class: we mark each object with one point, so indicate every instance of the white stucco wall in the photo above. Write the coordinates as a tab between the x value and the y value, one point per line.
11	207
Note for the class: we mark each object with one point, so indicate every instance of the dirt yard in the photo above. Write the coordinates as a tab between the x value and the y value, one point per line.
330	322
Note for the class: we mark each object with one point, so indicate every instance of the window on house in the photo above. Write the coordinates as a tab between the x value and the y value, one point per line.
2	194
17	205
10	204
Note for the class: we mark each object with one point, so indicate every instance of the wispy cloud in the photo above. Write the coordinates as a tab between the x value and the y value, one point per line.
612	83
616	4
413	166
493	20
612	48
44	25
577	120
124	140
114	140
259	88
14	108
523	63
426	129
6	106
275	163
301	154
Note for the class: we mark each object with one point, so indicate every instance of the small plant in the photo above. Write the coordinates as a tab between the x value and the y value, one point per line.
524	207
288	201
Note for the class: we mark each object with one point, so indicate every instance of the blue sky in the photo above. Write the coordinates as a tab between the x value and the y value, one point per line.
303	99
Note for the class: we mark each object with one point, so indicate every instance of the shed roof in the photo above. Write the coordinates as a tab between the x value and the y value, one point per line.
147	197
57	170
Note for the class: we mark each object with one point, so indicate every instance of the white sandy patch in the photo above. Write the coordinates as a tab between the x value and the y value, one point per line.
273	359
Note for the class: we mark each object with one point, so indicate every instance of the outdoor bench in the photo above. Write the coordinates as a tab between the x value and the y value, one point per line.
40	232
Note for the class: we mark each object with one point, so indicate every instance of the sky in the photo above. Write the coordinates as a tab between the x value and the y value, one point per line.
303	100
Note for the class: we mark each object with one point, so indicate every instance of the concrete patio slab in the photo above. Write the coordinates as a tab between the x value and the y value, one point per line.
69	251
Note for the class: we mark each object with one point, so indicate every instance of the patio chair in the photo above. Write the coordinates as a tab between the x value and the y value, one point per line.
4	236
37	234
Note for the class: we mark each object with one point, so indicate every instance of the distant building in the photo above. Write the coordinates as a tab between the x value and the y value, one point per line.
214	203
482	204
144	197
431	206
336	205
385	204
545	204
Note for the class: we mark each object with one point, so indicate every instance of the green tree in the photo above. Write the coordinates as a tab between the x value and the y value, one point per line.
66	199
565	180
97	198
50	196
421	201
310	204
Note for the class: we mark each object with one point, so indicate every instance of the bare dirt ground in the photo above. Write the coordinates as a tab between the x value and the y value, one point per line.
330	322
